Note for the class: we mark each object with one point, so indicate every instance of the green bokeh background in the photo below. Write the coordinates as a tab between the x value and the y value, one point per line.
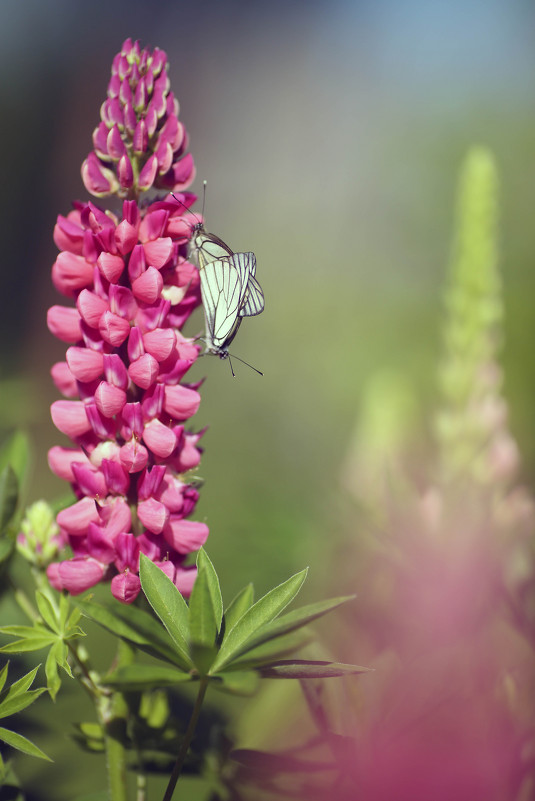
331	135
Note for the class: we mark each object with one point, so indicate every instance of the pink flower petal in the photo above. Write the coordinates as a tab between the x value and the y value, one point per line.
79	574
60	461
125	587
90	481
185	535
185	579
64	379
110	266
109	399
85	364
159	439
91	307
75	519
158	252
134	456
181	402
153	514
144	371
148	286
159	343
64	323
70	273
70	418
113	329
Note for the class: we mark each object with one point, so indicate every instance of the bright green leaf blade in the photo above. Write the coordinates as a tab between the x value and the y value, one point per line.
12	704
47	611
203	624
21	744
204	563
22	684
137	626
168	604
35	642
293	620
53	681
9	495
309	669
239	606
16	452
142	677
21	631
73	620
3	676
262	612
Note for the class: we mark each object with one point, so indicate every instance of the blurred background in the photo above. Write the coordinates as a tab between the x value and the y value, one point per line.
331	134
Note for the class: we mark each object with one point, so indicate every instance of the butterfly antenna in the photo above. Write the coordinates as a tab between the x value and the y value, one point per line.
231	367
186	207
244	362
203	197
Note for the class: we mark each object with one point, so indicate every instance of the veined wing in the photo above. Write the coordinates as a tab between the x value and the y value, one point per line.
222	293
205	248
253	303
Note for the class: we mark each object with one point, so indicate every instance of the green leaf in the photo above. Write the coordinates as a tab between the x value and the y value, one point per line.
47	611
204	563
308	669
135	625
294	620
16	452
203	623
9	495
239	606
19	701
33	642
262	612
21	743
53	681
168	604
22	684
142	677
3	676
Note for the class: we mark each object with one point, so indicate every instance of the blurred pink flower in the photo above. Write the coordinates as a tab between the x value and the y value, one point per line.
133	289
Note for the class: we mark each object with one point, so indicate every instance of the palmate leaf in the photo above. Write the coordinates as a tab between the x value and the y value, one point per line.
271	651
308	669
262	612
143	677
238	606
18	696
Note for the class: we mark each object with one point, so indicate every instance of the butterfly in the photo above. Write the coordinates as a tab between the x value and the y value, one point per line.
230	292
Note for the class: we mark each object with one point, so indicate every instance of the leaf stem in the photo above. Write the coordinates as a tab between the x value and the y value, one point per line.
203	686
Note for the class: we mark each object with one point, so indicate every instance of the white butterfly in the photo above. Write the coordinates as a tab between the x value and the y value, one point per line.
229	292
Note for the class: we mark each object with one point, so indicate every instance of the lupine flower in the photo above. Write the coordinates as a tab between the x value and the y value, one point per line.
133	289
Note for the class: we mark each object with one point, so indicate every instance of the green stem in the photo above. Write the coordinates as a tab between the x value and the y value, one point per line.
113	715
203	686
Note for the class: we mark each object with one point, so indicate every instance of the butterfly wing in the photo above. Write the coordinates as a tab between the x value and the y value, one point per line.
222	290
205	248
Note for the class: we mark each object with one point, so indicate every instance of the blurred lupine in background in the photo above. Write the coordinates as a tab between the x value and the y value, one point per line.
131	470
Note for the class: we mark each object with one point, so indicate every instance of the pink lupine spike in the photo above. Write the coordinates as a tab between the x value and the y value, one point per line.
164	154
137	263
125	93
191	496
125	587
153	226
60	461
181	402
171	493
117	480
156	315
91	337
76	518
153	514
132	419
136	347
189	455
147	288
130	119
123	67
168	568
159	439
126	237
85	365
70	417
109	399
148	173
151	121
183	173
90	481
115	516
114	85
185	535
160	343
140	138
64	380
152	403
115	112
140	96
144	371
150	481
113	329
152	546
91	307
134	456
114	370
159	60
